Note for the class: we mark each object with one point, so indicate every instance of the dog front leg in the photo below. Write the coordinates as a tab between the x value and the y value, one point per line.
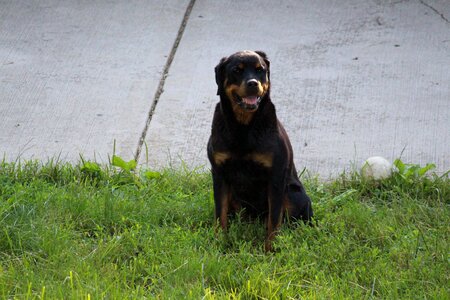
222	199
275	215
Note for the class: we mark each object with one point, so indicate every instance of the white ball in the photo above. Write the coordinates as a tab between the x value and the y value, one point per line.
376	167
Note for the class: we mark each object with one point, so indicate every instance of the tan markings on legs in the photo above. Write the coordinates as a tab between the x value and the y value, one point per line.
225	205
272	229
287	206
272	232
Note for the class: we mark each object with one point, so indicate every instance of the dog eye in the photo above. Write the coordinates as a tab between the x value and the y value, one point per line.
259	69
237	70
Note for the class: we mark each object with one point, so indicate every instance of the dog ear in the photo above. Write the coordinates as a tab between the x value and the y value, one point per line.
266	60
220	74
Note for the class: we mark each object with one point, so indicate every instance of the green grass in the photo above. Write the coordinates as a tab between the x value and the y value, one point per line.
85	232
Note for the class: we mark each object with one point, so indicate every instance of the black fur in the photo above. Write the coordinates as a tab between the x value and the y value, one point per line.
249	150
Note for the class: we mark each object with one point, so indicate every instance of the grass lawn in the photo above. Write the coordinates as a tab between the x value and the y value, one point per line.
85	232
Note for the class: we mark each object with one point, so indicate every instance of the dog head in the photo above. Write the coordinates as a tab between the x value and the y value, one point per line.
244	79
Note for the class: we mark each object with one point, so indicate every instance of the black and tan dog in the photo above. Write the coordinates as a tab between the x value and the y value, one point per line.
249	150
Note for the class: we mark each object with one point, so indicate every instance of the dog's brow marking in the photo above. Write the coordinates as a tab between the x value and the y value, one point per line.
265	159
221	157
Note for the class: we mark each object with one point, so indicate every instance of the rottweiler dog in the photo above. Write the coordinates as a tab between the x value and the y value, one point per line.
249	151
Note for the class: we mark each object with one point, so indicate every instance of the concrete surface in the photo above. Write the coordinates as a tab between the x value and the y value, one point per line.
77	75
350	78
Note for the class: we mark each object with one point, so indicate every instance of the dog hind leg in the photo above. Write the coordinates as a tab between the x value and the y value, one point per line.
300	207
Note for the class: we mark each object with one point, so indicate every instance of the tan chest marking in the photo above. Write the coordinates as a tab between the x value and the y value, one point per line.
265	159
221	157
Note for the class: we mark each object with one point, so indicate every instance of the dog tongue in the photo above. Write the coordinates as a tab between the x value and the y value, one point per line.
250	100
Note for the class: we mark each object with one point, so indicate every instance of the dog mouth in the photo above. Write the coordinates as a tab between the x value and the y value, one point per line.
249	103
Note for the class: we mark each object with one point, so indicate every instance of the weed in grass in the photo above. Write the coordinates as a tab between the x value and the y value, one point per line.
113	232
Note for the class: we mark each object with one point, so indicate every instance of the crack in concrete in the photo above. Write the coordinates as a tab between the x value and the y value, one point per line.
162	80
435	10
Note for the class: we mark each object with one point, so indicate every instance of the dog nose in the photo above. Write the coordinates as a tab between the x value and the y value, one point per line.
252	83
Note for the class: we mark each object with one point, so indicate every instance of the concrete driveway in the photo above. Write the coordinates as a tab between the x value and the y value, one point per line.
350	79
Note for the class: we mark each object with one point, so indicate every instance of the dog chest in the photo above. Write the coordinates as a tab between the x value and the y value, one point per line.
262	159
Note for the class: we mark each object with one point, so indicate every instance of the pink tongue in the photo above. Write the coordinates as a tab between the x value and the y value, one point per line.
250	100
